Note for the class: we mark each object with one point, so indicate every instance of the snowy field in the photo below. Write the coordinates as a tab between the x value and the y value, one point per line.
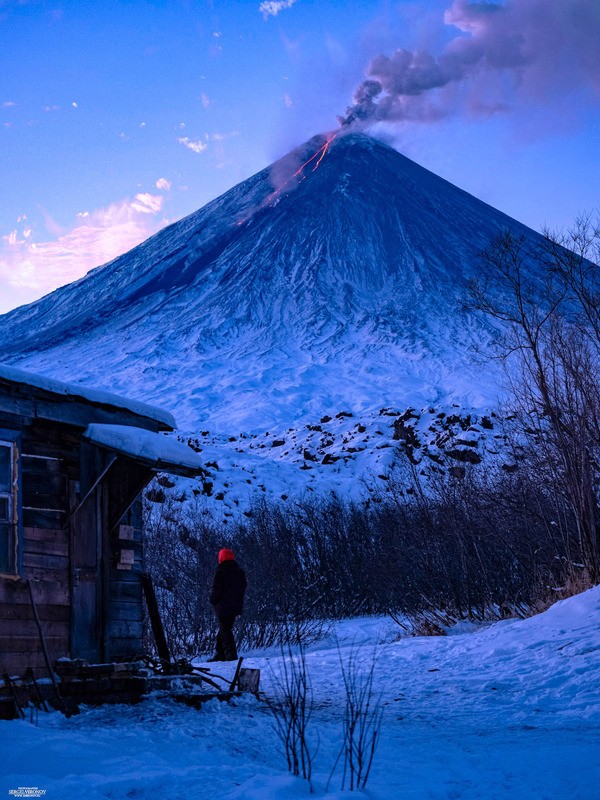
510	711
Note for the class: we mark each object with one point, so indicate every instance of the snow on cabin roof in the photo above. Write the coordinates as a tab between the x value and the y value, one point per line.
86	393
157	450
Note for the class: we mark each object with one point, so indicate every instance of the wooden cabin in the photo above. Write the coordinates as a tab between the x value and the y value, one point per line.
73	464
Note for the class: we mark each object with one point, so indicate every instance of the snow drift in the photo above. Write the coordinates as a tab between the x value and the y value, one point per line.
511	711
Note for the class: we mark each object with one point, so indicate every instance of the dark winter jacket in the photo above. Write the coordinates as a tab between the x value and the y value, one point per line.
228	589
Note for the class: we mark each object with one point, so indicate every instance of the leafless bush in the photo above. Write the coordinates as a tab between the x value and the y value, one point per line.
483	546
363	714
283	593
574	584
547	295
292	708
425	623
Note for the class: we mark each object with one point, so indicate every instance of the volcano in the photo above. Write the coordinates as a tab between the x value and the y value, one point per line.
300	291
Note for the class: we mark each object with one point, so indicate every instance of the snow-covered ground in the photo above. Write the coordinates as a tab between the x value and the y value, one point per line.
509	711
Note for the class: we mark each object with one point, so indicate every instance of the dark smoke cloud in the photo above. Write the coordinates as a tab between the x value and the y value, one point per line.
531	50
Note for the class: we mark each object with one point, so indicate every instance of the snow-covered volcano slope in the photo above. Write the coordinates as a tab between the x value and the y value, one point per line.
284	299
511	712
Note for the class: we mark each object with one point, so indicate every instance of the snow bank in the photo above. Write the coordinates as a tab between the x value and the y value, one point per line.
510	712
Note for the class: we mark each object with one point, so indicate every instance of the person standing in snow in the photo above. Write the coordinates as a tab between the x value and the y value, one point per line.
227	599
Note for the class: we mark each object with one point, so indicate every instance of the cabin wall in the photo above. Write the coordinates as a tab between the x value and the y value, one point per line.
84	570
124	618
47	461
124	602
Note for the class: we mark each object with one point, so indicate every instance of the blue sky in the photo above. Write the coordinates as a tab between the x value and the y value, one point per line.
119	117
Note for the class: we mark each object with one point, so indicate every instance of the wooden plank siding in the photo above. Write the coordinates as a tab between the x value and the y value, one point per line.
45	454
124	609
84	569
86	534
20	644
44	559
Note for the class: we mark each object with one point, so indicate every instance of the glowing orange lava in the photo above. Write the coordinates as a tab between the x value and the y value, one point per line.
319	155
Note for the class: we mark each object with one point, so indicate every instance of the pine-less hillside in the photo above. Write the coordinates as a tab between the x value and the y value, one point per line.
284	299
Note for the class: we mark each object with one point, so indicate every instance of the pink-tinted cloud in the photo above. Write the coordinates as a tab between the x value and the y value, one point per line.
522	51
33	268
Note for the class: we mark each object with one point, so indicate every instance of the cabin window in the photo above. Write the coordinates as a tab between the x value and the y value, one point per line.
7	499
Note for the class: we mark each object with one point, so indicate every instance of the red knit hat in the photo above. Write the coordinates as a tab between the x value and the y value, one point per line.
226	555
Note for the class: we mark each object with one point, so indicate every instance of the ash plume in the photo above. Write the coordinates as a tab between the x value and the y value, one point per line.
521	50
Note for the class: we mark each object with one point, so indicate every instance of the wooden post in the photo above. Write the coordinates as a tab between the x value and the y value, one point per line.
156	622
15	697
40	700
89	492
237	675
44	648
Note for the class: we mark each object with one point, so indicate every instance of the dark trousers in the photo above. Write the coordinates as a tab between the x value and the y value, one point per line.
226	649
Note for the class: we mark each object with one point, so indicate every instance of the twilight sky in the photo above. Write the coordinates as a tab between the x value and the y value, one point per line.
118	117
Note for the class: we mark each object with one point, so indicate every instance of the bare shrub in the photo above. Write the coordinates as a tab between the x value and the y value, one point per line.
574	584
361	722
547	296
425	623
292	708
485	546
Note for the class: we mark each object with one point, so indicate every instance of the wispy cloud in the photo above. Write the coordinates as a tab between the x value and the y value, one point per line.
163	184
270	8
32	268
195	145
222	136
